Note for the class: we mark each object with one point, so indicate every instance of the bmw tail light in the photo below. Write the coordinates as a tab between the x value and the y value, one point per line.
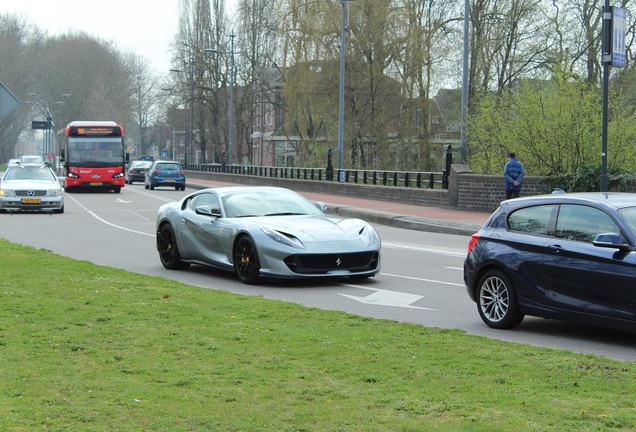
473	242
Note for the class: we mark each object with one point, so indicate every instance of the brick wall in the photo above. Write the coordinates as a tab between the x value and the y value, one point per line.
467	191
480	192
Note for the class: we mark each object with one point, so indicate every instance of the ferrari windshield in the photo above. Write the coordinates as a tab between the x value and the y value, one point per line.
267	203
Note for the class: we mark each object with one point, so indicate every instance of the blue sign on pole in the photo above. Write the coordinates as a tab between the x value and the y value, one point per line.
619	17
8	101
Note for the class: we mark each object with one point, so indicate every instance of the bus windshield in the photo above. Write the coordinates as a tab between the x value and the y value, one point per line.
86	151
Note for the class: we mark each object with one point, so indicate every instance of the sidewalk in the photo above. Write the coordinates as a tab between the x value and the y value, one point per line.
420	218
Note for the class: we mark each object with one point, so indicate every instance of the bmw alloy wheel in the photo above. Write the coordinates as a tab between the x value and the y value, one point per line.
497	301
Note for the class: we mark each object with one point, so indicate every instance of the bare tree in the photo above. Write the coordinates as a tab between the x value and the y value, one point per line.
17	39
145	95
197	32
257	42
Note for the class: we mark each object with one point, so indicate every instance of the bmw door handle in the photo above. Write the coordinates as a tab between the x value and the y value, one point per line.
555	248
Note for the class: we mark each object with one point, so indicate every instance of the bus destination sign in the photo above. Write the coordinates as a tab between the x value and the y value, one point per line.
95	131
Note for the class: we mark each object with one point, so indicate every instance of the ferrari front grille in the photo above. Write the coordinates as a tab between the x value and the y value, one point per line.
324	263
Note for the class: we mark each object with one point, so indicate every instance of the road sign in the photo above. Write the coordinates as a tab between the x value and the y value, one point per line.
35	124
8	101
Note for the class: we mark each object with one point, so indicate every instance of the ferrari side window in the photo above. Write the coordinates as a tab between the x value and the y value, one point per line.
206	200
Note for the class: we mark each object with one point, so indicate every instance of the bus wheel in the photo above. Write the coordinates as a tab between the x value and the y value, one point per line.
117	189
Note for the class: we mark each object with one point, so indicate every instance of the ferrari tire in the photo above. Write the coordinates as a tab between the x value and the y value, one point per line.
168	249
246	262
497	301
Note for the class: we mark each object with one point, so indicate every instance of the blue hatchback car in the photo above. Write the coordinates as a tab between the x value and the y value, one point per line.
165	173
564	256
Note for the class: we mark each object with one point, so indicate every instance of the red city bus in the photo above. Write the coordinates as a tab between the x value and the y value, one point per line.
94	156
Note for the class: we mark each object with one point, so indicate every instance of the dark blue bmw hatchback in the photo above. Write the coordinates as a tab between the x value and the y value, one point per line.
565	256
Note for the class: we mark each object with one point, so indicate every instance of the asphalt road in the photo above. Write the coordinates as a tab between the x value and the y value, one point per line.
421	279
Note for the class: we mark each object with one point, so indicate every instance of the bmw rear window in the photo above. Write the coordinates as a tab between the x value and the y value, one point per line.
532	220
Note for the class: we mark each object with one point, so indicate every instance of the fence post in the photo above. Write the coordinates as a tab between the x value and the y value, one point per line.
449	162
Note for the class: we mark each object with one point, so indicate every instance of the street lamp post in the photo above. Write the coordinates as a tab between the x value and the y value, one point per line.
342	90
46	110
232	53
191	140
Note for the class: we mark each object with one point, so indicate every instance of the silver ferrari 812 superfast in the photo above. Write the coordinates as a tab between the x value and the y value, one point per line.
263	232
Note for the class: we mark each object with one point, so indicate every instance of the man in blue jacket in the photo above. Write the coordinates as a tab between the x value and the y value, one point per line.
513	174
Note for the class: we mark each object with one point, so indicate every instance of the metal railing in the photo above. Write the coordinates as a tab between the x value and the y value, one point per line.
408	179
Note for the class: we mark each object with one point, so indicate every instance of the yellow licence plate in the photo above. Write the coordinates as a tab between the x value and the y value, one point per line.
97	184
169	181
31	201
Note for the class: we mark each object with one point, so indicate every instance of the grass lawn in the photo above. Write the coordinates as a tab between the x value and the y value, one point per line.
91	348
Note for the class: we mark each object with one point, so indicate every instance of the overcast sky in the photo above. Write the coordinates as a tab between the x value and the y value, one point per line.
146	27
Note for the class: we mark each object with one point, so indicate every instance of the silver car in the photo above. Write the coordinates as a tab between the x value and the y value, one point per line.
264	232
31	187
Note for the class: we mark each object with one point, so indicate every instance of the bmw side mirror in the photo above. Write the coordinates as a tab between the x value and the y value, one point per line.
612	241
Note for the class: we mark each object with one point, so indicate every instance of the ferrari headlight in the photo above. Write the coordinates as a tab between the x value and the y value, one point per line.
282	238
370	236
7	193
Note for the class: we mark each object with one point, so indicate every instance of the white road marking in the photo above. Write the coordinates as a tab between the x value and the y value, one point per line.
105	221
422	279
388	298
137	214
447	252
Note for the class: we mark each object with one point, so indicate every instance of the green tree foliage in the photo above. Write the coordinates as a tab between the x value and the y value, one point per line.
42	72
554	127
